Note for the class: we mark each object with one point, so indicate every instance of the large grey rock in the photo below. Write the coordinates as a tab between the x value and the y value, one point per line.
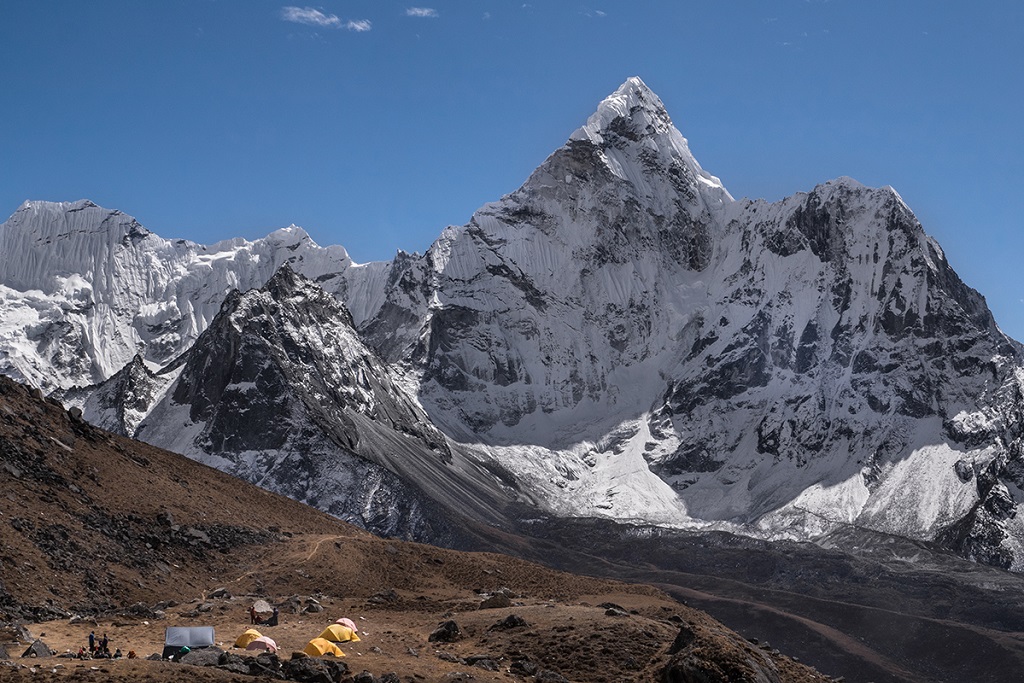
205	656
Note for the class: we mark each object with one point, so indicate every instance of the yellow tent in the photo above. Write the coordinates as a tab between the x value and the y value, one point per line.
247	637
318	647
338	634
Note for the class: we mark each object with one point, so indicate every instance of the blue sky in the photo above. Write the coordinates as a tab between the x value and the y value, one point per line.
375	124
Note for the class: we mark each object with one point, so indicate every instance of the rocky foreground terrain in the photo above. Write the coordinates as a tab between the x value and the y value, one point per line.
104	534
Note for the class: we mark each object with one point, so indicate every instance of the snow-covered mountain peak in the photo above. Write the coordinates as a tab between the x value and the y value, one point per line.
632	101
48	219
636	136
847	181
293	234
76	238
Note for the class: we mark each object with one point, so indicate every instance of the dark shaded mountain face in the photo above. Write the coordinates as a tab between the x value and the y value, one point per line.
279	390
118	404
617	338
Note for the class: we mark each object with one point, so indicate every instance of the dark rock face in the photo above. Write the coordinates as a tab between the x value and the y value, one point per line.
283	337
291	337
314	670
281	375
118	404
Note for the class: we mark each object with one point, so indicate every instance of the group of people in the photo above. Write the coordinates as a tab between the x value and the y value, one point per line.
255	618
101	649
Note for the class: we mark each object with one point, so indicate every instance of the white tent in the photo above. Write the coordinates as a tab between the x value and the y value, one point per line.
177	637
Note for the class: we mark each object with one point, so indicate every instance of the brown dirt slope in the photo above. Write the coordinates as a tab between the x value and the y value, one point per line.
101	533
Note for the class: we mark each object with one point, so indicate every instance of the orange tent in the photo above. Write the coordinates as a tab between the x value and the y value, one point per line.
247	637
338	634
318	647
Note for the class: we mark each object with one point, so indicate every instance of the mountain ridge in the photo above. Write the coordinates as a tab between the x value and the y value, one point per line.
621	338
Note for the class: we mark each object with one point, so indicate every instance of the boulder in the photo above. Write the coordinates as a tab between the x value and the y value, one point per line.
236	664
523	667
496	601
268	661
204	656
688	666
446	632
684	639
483	662
314	670
511	621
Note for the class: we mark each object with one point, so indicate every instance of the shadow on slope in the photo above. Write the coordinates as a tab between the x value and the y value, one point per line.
884	609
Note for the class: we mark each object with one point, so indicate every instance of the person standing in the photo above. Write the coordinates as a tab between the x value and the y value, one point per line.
92	642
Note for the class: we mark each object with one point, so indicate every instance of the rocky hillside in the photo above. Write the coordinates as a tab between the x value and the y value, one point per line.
103	534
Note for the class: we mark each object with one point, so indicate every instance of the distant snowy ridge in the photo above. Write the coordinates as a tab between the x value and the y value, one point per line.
619	337
84	289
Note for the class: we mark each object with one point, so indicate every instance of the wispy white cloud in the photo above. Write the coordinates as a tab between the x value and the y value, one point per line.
421	12
311	16
358	25
314	17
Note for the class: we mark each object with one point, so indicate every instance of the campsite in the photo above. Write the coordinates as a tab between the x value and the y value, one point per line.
579	634
107	535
